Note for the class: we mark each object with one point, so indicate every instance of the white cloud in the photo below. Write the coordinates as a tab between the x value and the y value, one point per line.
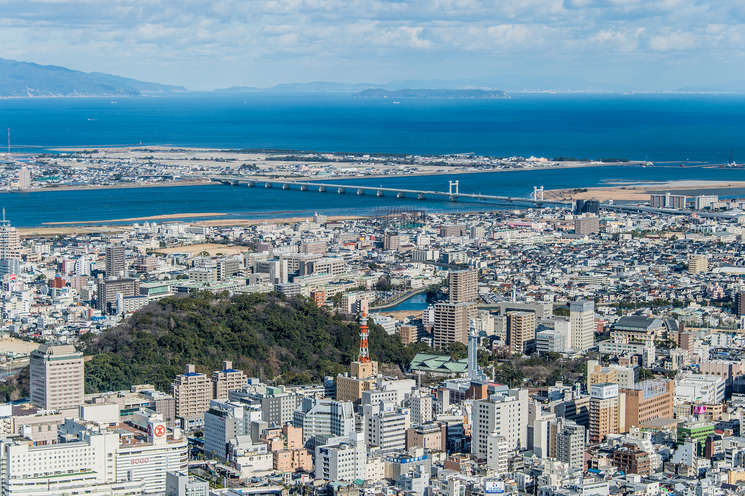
391	38
672	41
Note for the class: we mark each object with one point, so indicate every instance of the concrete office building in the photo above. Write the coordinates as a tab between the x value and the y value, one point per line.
345	459
668	200
451	323
553	340
420	405
183	484
699	388
277	406
586	224
57	379
224	421
192	393
385	425
649	400
504	414
541	310
116	263
582	320
108	289
277	270
520	331
462	286
323	418
567	442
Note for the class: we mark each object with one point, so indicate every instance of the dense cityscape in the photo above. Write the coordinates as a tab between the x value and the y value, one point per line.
544	351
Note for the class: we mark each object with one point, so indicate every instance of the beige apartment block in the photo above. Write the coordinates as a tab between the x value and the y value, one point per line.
192	393
226	380
463	286
451	323
520	330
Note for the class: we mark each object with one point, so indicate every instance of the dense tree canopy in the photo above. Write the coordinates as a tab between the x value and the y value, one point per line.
289	340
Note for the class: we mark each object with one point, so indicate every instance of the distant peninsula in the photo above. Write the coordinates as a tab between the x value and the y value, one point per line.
431	93
24	79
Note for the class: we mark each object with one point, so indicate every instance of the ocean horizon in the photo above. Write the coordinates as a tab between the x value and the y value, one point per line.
686	128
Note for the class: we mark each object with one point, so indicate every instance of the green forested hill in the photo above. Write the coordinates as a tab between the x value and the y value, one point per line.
289	340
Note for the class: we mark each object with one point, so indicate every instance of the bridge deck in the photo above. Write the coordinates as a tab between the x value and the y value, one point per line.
376	189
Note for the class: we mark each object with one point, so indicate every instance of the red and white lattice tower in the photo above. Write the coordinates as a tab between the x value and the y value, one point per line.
364	333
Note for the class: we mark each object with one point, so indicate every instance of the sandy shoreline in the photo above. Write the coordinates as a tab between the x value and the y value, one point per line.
138	219
640	192
115	186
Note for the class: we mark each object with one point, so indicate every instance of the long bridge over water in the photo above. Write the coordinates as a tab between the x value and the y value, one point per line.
536	198
453	194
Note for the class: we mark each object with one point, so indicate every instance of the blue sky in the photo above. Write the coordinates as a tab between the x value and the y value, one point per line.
643	44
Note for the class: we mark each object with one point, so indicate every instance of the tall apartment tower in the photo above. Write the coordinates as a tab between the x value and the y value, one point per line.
24	178
504	414
463	287
740	303
604	411
226	380
520	330
567	442
192	393
10	245
56	377
582	319
115	261
451	323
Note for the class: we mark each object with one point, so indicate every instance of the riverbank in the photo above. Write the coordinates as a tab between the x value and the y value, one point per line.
152	184
640	192
139	219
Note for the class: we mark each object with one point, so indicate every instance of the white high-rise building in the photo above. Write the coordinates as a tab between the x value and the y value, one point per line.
567	442
345	459
498	453
224	421
324	417
385	425
24	178
420	405
56	377
582	321
504	414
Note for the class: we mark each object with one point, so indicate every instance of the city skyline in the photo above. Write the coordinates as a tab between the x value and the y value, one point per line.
571	44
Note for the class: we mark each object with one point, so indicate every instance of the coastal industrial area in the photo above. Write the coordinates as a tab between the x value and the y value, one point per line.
571	350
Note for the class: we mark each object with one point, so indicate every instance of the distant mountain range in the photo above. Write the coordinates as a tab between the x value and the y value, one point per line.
430	93
505	83
24	79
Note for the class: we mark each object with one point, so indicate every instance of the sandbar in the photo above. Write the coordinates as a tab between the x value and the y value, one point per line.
137	219
639	192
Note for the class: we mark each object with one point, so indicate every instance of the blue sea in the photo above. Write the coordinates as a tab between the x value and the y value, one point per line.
670	130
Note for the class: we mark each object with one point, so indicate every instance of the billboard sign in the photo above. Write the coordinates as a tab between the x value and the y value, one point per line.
494	487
